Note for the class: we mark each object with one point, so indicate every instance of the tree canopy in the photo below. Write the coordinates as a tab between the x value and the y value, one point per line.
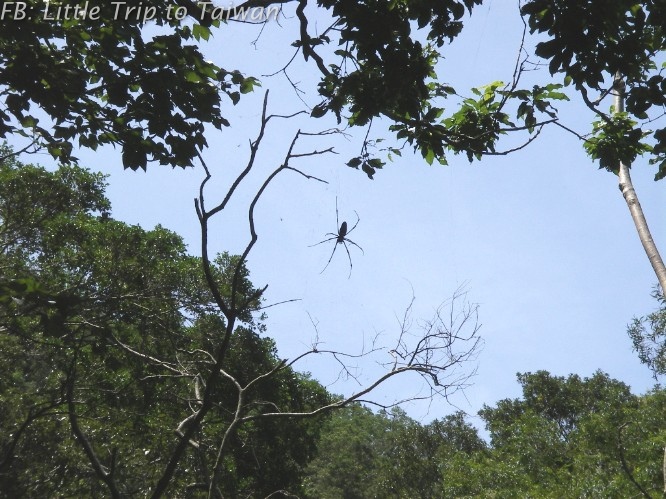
102	345
589	44
112	333
565	437
138	80
134	368
101	79
135	77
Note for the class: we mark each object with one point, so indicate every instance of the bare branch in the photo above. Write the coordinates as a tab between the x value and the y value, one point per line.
433	353
253	233
264	307
572	132
254	148
217	468
231	310
166	365
34	143
308	51
282	493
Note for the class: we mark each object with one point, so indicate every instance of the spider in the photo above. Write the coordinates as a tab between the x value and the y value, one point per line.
340	238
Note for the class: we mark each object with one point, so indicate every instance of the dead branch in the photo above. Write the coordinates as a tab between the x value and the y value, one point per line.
436	353
229	307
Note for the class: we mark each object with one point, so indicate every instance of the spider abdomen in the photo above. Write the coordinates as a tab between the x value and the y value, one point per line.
343	232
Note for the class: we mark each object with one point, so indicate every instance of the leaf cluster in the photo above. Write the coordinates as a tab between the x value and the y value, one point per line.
147	89
648	335
104	80
392	68
386	69
616	140
590	42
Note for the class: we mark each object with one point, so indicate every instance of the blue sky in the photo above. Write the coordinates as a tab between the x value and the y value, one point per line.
541	239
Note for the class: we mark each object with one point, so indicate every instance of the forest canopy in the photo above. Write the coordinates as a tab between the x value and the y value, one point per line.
134	368
105	333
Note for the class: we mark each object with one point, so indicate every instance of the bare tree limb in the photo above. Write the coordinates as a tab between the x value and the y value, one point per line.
231	309
434	353
308	51
430	355
34	143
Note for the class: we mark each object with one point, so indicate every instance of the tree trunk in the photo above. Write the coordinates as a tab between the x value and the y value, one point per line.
630	196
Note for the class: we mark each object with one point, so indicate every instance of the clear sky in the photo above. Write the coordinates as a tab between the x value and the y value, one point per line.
541	239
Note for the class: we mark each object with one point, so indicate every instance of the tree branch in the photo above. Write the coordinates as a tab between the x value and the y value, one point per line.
625	466
100	470
232	310
432	356
308	51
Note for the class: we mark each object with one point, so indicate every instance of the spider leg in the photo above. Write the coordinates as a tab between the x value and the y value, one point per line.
335	246
335	236
357	221
352	242
340	238
351	265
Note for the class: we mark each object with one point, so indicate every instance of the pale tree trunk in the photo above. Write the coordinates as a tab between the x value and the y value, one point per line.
630	196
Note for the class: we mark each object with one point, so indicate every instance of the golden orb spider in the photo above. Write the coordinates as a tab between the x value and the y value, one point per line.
340	238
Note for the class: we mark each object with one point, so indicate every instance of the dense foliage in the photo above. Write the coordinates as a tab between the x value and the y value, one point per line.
136	77
648	335
566	437
109	78
105	340
364	455
589	43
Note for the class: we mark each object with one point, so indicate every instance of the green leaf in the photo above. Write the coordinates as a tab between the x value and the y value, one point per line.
661	172
193	77
368	170
29	122
429	156
248	85
200	32
354	162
